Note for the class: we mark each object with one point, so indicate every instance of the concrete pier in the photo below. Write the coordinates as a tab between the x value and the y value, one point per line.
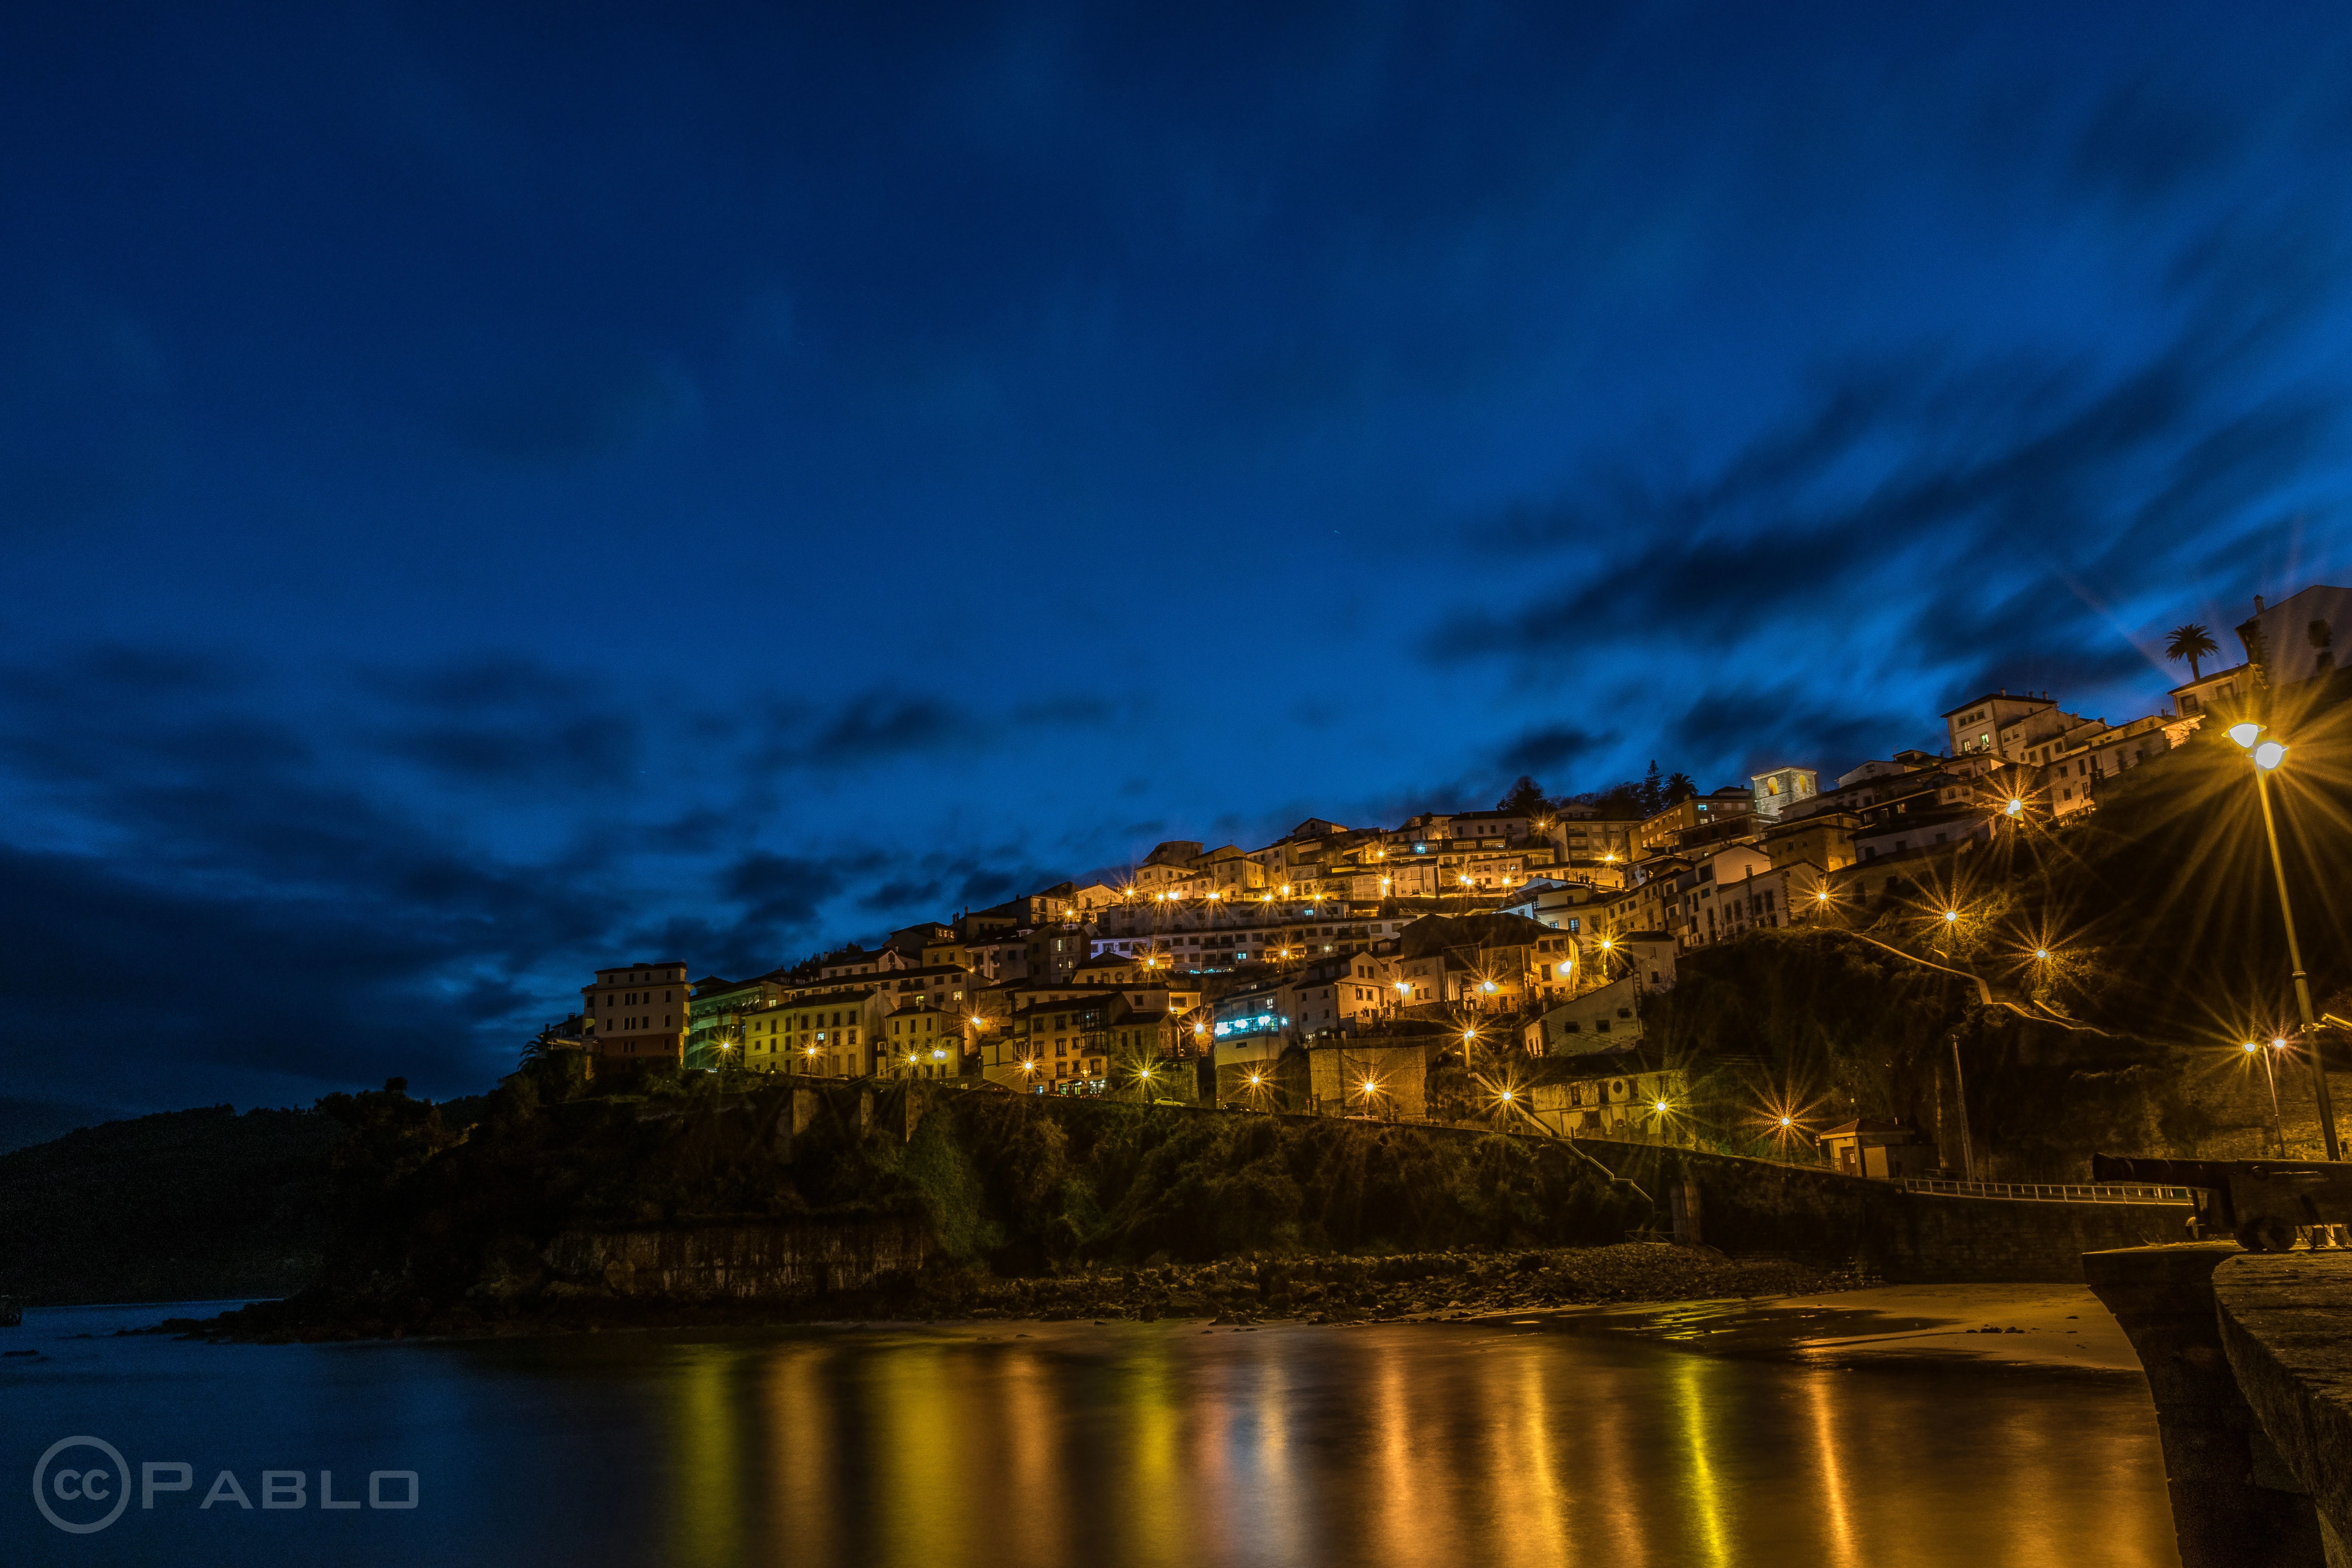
2249	1357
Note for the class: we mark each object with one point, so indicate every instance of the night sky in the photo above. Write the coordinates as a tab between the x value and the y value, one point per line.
490	491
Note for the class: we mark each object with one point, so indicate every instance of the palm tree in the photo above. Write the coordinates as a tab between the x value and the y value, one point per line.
2191	643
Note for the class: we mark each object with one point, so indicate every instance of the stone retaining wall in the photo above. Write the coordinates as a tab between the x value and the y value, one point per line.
1752	1206
740	1262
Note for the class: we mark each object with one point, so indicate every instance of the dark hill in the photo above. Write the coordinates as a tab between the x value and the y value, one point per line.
186	1205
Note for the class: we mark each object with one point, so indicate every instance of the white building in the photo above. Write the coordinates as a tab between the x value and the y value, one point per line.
1781	788
2297	638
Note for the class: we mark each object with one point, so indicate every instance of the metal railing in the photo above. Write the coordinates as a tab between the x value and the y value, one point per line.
2035	1192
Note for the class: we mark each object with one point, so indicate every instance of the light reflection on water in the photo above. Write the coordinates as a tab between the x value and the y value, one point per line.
1112	1445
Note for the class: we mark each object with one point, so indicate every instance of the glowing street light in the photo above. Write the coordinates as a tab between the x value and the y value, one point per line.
2267	755
1951	917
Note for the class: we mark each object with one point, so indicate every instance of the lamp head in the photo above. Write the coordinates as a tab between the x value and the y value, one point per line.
2246	734
2269	756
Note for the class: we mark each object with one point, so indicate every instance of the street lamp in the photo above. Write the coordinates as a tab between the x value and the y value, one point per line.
2267	755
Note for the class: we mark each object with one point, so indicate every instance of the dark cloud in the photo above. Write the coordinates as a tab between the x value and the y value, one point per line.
493	681
784	893
581	405
2147	139
1552	747
880	726
1785	724
1081	711
152	989
1983	490
585	750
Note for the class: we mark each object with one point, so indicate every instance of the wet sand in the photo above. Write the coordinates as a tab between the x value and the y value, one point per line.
2046	1327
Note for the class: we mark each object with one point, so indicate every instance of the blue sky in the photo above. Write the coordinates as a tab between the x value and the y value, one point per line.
491	490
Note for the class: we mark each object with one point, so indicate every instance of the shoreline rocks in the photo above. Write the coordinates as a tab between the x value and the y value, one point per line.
1317	1288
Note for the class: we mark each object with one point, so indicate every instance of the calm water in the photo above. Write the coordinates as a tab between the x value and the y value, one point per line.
1123	1443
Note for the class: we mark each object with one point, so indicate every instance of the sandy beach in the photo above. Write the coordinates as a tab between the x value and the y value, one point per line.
2027	1326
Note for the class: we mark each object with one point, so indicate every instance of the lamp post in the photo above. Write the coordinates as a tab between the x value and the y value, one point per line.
2267	755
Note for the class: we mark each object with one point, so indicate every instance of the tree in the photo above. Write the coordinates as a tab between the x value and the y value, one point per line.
1526	797
540	1047
1679	788
1652	790
2192	643
1618	803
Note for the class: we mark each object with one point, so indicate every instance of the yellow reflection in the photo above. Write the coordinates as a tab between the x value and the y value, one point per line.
1402	1520
916	1419
805	1481
707	1502
1691	1373
1153	1476
1838	1550
1028	1443
1529	1523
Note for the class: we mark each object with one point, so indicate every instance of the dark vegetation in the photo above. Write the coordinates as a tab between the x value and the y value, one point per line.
438	1232
188	1205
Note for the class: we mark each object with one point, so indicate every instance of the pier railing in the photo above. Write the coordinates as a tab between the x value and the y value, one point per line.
2038	1192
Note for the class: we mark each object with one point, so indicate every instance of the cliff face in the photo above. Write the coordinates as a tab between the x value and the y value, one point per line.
847	1201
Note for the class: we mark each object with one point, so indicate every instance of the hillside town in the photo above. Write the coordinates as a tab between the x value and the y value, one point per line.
1336	968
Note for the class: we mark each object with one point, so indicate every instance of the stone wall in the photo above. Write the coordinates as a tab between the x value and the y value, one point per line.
740	1262
2286	1323
1755	1207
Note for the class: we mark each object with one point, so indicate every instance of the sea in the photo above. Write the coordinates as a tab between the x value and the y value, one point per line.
1067	1444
